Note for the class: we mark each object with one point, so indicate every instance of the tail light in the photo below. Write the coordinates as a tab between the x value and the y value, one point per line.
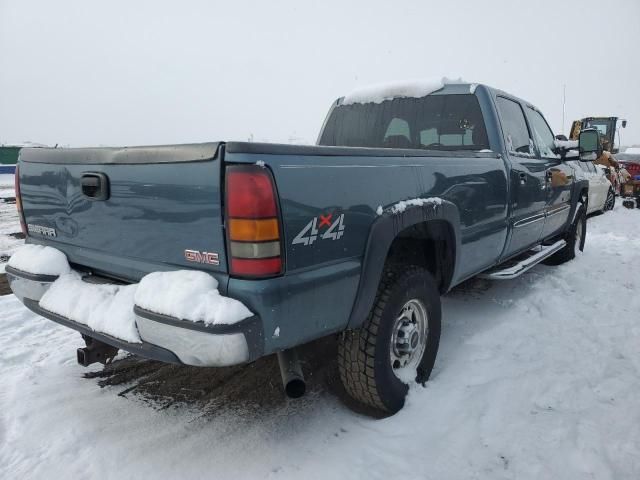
253	223
19	201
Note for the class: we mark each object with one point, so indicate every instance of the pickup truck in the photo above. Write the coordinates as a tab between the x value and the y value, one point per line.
409	191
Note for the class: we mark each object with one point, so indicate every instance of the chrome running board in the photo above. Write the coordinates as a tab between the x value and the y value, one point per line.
513	270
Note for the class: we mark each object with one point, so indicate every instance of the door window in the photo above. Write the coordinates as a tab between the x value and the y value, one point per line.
514	127
542	134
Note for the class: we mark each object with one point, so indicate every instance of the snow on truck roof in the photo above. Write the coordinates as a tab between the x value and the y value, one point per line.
23	145
380	92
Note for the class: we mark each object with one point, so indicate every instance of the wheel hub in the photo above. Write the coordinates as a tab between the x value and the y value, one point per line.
409	336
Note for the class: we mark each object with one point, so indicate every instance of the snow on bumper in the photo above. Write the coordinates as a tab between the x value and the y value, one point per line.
111	314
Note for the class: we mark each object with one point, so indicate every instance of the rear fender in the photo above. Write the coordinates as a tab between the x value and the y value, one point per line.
382	234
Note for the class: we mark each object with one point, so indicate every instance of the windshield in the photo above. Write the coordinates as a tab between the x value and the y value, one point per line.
441	122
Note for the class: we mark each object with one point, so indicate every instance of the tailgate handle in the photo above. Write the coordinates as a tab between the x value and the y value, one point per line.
95	185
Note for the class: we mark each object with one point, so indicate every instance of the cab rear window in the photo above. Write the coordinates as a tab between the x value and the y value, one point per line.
439	122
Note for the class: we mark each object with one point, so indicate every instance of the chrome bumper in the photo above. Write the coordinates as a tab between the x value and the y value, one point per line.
164	338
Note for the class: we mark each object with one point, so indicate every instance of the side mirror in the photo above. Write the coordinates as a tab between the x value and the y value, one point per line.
589	142
624	124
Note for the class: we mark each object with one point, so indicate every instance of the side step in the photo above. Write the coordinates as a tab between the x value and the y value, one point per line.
515	269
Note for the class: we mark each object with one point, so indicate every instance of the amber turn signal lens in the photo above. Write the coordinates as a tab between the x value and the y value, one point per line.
259	230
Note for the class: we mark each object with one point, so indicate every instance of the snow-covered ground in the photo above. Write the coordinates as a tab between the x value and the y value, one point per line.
9	223
6	180
537	377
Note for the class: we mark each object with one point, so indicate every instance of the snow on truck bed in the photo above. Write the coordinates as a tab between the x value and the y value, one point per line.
184	294
537	378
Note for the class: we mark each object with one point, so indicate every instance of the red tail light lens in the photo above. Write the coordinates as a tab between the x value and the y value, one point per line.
251	193
256	268
19	201
253	223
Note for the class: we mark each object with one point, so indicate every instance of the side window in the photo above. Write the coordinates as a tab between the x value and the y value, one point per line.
542	134
516	133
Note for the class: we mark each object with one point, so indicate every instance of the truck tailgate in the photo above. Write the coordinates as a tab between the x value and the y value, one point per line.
127	211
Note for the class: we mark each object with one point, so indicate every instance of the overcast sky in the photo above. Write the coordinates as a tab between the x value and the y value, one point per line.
147	72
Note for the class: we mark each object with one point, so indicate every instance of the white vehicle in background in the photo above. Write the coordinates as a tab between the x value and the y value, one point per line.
602	194
603	179
602	197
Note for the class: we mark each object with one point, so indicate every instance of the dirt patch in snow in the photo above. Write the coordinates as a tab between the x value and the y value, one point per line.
253	390
4	285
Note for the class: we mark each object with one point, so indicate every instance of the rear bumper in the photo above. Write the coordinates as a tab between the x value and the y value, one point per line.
164	338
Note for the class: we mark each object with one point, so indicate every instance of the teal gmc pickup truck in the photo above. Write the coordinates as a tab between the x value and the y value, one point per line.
410	190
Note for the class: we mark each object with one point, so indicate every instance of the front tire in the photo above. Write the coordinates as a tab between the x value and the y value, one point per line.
398	342
575	239
610	202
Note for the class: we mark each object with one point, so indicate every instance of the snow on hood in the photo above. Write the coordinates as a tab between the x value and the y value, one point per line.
378	93
633	150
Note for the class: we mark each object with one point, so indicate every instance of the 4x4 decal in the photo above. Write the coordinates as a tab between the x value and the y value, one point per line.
310	233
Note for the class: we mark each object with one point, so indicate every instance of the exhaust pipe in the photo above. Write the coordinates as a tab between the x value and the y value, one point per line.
291	372
95	352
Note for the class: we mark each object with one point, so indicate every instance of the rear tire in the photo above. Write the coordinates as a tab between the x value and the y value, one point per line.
575	238
397	343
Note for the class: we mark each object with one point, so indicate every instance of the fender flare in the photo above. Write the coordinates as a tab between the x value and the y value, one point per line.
575	201
383	232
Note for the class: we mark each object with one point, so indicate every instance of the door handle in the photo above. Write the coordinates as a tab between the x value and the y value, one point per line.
523	178
95	186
